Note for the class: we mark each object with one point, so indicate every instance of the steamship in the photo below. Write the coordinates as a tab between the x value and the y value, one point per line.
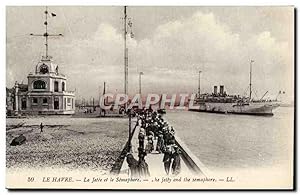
233	104
221	102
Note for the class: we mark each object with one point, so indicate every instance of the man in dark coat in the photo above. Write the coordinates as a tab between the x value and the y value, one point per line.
150	145
41	127
141	137
133	166
167	158
172	158
142	165
176	167
160	146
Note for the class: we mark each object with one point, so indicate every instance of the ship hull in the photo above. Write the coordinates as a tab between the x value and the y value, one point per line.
258	109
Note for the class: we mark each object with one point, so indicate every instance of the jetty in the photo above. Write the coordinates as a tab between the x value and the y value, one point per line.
190	164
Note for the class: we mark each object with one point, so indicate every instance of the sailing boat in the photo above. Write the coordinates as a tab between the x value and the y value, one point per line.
220	102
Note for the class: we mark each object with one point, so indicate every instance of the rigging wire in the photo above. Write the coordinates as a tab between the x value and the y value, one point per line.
66	21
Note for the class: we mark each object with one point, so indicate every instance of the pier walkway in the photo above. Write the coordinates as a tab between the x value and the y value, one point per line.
155	160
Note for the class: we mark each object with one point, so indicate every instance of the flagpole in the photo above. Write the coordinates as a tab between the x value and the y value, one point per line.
46	30
125	57
46	35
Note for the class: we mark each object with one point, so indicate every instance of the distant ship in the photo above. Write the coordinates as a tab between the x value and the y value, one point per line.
220	102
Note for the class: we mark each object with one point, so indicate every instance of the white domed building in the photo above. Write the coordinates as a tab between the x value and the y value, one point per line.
46	92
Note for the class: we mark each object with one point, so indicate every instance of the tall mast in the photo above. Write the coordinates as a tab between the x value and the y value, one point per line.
104	91
125	56
46	35
126	29
199	86
250	79
46	31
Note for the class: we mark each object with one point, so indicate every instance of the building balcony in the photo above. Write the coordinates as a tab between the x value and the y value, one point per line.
69	92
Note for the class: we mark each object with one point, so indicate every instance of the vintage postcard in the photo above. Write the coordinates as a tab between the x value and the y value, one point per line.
150	97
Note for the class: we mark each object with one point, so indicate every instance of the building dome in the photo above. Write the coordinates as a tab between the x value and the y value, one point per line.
46	66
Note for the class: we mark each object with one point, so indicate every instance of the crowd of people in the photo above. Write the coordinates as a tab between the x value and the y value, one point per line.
154	129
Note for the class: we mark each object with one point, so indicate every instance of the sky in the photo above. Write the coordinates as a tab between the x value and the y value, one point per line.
171	45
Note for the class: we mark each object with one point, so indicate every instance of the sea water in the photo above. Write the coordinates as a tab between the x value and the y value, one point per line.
227	142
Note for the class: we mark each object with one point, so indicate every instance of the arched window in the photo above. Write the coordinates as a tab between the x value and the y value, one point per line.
63	86
55	86
45	101
39	84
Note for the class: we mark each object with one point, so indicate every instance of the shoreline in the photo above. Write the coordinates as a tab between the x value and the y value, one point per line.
74	144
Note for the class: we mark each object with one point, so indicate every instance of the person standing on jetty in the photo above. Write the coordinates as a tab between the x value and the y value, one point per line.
176	167
155	126
138	169
141	137
133	165
142	165
172	158
167	159
160	143
150	145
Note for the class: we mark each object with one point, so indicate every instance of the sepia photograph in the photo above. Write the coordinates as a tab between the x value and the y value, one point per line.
150	97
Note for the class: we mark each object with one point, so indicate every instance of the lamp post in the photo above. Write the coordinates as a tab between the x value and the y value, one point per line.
140	82
199	86
250	85
129	131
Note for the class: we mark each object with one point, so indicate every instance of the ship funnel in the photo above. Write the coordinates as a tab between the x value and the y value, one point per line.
221	89
215	90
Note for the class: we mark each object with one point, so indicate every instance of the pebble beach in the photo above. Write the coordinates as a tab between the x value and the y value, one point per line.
70	143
